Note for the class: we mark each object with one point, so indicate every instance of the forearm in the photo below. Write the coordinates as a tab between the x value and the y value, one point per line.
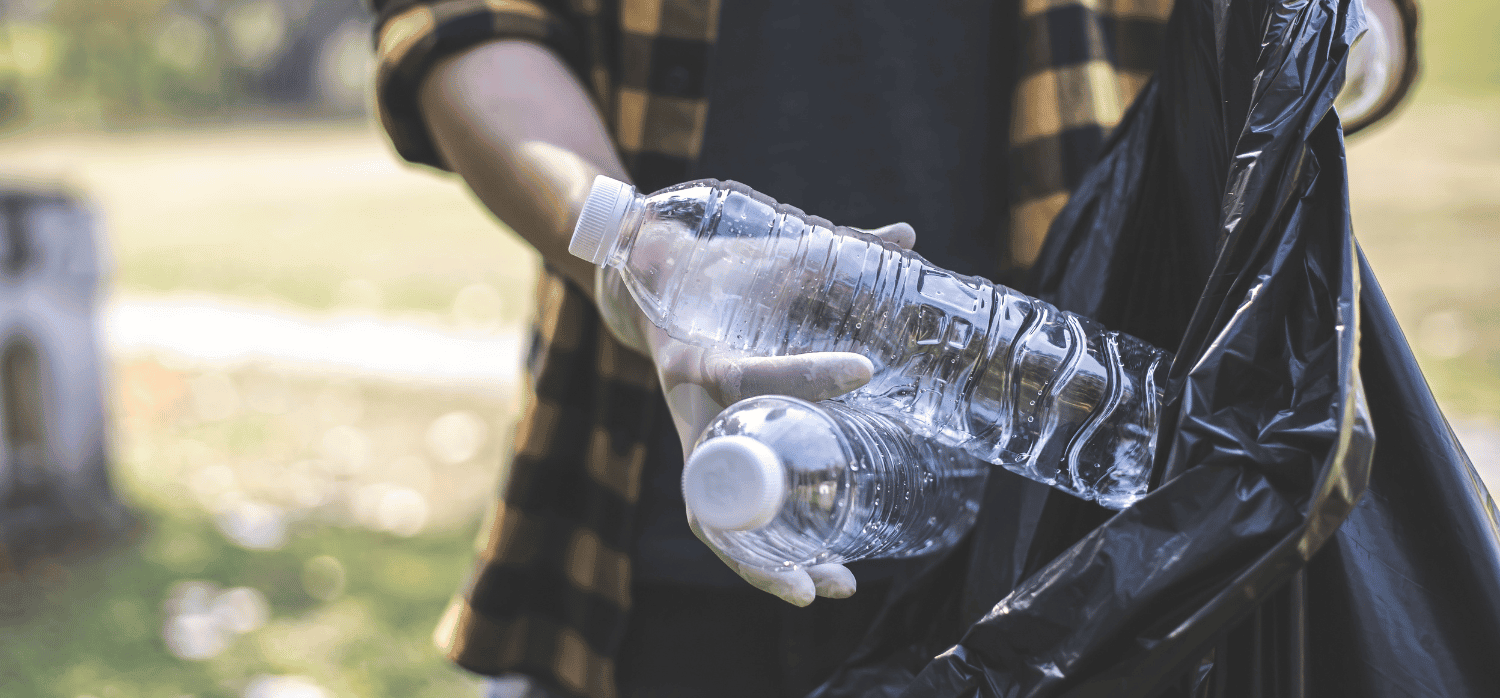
511	119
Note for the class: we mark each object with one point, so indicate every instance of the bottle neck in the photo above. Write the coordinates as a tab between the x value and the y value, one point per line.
630	228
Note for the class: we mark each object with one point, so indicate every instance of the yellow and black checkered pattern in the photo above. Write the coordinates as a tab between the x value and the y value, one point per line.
552	588
1082	63
645	61
413	35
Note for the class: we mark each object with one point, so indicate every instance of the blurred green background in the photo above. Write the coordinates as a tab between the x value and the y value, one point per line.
305	529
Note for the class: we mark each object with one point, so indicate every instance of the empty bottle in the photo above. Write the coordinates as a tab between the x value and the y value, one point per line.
778	482
1011	379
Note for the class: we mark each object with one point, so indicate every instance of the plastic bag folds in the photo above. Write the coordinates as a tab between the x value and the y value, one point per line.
1284	550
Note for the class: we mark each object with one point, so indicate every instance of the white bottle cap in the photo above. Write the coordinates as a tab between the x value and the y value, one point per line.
734	483
599	223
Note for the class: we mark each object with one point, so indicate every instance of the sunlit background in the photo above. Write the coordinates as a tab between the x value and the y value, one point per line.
313	350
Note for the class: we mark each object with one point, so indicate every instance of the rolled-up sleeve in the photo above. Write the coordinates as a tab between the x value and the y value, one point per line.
412	36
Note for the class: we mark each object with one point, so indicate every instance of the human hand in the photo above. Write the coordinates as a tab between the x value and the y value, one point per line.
699	383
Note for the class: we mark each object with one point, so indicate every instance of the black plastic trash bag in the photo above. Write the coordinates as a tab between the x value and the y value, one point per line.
1284	553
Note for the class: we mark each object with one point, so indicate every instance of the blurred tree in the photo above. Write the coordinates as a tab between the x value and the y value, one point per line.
130	63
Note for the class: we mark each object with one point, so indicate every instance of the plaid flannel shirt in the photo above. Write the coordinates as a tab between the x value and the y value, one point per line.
551	590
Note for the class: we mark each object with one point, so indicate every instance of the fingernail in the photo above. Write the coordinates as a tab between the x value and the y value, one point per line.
835	590
853	374
799	594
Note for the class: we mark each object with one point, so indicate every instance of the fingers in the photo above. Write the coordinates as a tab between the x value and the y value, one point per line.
832	581
698	384
814	377
795	587
900	234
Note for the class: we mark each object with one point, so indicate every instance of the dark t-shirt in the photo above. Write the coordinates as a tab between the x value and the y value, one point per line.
862	112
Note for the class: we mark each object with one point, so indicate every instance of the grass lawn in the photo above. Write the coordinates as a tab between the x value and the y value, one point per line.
292	527
299	532
1425	191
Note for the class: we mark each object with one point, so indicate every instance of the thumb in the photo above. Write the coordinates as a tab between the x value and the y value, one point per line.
899	234
815	376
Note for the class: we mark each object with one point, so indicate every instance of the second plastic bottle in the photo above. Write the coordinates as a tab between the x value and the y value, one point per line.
780	483
1009	378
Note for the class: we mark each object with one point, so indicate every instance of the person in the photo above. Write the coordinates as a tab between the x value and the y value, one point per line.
866	113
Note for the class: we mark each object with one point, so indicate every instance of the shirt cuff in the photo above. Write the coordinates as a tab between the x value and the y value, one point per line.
410	41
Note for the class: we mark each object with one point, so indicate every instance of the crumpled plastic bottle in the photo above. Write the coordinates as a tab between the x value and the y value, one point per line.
1010	379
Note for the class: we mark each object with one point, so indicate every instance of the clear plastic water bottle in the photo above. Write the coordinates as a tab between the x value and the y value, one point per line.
1009	378
778	482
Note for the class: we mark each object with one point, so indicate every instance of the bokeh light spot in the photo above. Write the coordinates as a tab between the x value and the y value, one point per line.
323	578
456	437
